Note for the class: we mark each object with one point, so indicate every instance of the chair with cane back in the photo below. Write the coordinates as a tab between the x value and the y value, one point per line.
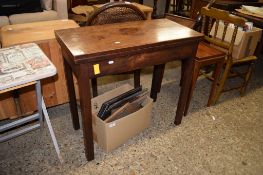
116	12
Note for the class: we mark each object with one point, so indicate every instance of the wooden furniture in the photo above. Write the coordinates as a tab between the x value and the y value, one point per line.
116	12
196	8
22	66
173	4
205	56
74	3
120	48
229	5
80	10
145	9
54	88
188	22
80	14
212	14
179	7
258	22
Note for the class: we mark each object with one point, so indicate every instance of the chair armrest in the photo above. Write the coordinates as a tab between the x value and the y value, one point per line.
187	22
61	7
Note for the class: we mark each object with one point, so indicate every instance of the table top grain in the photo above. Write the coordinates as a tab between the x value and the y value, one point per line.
91	42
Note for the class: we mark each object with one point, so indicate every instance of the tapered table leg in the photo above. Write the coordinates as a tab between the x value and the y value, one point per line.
195	75
185	87
72	96
85	105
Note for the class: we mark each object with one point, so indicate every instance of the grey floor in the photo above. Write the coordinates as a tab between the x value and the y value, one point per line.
223	139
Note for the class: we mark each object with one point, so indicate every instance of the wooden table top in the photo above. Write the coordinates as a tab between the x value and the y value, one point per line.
93	42
31	32
258	22
231	5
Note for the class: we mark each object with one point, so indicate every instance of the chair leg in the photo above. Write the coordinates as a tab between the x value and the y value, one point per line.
222	81
247	78
192	87
216	75
94	85
137	79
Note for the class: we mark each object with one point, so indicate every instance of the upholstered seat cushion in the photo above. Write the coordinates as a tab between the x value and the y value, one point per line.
4	21
33	17
59	11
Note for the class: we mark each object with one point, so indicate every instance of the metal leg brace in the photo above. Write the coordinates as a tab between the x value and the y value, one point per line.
53	137
41	108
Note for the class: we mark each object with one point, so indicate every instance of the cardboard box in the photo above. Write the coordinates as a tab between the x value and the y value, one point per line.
113	134
245	43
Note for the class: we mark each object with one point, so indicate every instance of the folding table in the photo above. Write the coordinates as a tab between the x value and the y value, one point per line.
21	66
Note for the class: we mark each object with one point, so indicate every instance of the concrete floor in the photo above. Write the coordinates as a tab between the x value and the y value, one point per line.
223	139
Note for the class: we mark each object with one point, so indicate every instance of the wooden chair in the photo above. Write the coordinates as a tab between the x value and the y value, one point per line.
116	12
206	55
214	50
217	15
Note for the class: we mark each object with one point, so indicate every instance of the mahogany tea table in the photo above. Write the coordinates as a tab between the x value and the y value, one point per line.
95	51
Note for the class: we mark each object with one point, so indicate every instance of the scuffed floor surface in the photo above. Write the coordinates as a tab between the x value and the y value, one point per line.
223	139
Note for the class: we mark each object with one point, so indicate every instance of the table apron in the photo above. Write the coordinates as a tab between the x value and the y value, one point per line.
139	60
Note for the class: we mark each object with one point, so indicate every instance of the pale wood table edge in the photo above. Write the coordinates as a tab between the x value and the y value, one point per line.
9	37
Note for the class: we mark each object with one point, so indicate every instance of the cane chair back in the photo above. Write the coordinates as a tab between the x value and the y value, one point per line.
116	12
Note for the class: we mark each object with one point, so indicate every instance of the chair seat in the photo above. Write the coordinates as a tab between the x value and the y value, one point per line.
205	52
